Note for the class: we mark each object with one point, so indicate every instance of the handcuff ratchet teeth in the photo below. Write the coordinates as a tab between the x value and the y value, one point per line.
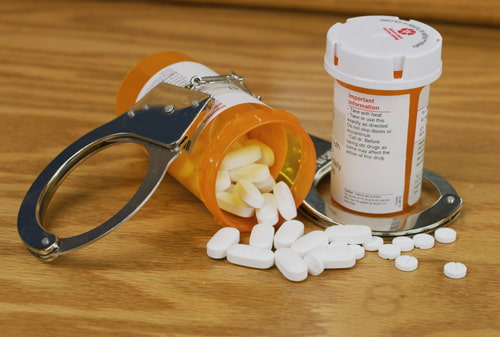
165	122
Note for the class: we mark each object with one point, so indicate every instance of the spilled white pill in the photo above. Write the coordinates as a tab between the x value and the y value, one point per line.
232	203
262	236
334	258
240	157
405	243
358	250
290	264
219	243
249	256
338	243
285	201
288	233
445	235
310	241
423	241
249	193
315	265
353	234
268	213
373	244
389	251
406	263
223	181
455	270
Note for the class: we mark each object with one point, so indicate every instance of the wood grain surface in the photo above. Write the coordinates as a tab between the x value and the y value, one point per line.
61	64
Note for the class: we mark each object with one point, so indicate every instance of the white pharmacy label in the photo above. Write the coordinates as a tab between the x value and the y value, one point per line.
226	95
369	150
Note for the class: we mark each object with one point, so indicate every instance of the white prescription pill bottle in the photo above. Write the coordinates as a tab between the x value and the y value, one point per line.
382	68
236	115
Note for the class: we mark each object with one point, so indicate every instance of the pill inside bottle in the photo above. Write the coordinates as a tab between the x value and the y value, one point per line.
382	68
236	119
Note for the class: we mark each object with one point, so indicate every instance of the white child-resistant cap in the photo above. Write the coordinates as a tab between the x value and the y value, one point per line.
383	52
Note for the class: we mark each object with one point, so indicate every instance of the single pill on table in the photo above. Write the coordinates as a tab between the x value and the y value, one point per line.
310	241
334	258
353	234
445	235
288	233
223	181
262	236
232	203
405	243
290	264
249	256
406	263
268	213
358	250
373	244
455	270
389	251
253	173
423	241
249	193
240	157
219	243
284	200
315	265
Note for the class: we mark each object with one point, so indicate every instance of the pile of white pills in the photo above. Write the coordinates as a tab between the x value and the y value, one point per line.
245	186
297	254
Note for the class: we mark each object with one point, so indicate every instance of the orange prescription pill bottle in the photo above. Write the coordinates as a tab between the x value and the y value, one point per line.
382	68
236	114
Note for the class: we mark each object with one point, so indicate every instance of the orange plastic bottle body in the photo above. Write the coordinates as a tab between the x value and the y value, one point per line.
197	171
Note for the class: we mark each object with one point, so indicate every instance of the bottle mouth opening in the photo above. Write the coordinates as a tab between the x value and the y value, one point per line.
294	164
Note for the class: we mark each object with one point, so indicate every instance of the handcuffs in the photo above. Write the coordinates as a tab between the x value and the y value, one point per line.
161	123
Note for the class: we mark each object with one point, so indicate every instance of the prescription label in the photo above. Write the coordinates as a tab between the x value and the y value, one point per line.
226	95
369	150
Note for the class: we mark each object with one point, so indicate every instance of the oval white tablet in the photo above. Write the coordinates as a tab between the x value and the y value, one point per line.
290	264
335	258
268	213
389	251
353	234
219	243
315	265
232	203
267	153
373	244
445	235
423	241
310	241
223	181
405	243
406	263
288	233
285	201
249	256
240	157
455	270
358	250
252	173
262	236
249	193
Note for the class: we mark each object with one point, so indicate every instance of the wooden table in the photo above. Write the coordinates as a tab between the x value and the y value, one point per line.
61	64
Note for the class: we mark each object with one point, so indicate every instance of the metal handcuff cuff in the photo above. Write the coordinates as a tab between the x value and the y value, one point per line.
161	123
